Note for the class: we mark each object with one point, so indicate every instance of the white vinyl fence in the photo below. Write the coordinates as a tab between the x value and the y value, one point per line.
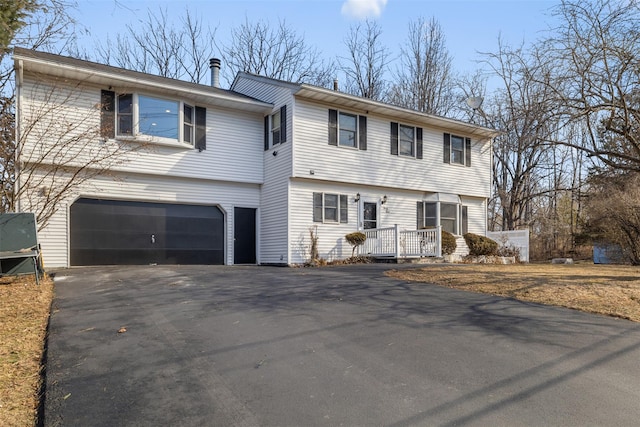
518	239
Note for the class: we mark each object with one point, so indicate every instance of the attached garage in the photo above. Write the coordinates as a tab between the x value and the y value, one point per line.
110	232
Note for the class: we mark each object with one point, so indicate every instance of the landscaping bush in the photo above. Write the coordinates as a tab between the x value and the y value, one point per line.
509	251
480	245
355	239
449	244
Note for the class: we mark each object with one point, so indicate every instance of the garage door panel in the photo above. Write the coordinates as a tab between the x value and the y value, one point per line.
132	233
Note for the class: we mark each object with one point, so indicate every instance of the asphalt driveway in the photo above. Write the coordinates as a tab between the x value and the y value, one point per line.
336	346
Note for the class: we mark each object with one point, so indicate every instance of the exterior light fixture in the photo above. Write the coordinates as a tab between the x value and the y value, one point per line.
384	199
357	198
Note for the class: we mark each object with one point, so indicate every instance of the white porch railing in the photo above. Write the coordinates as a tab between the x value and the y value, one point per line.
392	242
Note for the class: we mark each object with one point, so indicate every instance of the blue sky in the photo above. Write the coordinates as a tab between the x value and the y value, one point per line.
470	26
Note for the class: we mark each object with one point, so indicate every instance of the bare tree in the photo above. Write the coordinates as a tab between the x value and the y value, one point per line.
158	46
278	53
366	65
59	149
44	25
424	80
594	55
523	111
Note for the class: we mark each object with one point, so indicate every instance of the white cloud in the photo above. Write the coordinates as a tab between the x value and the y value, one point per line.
361	9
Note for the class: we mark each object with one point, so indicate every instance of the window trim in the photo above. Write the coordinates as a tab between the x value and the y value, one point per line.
412	153
132	120
395	132
461	218
360	130
320	207
455	151
448	150
275	120
270	130
354	130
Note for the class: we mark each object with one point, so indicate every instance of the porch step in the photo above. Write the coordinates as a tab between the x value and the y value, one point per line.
462	249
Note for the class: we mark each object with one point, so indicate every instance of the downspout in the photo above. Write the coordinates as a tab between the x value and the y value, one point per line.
18	126
486	215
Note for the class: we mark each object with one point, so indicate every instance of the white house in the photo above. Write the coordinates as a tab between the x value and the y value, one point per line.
241	175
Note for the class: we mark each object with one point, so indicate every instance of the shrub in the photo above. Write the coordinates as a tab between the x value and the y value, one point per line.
449	244
480	245
509	251
355	239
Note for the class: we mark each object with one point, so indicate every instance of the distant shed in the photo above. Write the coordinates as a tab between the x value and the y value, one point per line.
606	253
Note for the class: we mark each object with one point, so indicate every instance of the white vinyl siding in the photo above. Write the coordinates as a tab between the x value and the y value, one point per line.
234	138
376	167
275	204
400	209
153	189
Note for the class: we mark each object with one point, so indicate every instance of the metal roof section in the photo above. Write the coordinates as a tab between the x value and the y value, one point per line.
263	79
108	76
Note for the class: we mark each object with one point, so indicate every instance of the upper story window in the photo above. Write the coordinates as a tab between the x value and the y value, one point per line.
167	120
347	130
406	140
330	208
188	123
457	150
275	128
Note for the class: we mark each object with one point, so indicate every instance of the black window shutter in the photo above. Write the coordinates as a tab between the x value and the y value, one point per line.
420	222
418	143
108	114
344	208
362	123
394	138
333	127
467	152
266	132
283	123
201	128
447	148
464	213
317	207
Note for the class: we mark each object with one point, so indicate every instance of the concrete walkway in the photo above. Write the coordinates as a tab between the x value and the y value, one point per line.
336	346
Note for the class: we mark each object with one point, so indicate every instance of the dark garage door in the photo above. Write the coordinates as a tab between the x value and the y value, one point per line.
106	232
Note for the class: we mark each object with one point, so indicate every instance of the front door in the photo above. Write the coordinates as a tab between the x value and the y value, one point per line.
244	236
370	215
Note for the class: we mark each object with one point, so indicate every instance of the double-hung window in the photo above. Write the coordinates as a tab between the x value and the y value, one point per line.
275	128
188	123
457	150
330	208
125	115
347	136
347	130
406	140
163	120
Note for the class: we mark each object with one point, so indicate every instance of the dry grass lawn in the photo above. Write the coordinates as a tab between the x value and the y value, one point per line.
612	290
24	313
